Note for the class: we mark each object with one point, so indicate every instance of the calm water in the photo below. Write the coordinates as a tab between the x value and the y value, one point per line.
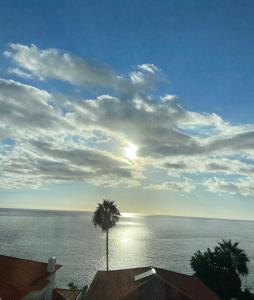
167	242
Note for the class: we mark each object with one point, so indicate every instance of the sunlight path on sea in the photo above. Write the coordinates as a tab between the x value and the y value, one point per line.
167	242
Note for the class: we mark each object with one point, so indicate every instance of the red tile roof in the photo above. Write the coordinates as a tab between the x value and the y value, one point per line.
21	276
164	285
65	294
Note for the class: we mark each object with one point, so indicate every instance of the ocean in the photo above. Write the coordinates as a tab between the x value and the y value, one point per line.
161	241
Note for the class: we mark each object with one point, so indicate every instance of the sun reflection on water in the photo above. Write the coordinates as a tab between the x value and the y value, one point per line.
129	242
130	215
126	240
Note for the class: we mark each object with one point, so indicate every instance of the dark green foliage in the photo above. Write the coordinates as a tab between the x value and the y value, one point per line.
72	285
246	295
221	268
83	292
106	215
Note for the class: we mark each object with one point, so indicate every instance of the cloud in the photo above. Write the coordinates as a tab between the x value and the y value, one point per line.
20	73
24	106
57	139
237	142
36	162
146	122
243	187
55	64
209	165
185	185
52	63
102	163
150	68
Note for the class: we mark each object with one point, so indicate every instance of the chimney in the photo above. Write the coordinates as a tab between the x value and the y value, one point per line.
51	264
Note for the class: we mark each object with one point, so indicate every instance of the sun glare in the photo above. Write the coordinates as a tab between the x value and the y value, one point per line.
125	240
129	215
131	151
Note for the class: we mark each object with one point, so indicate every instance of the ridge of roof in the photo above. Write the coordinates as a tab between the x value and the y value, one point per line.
170	284
124	286
165	287
190	279
126	269
174	286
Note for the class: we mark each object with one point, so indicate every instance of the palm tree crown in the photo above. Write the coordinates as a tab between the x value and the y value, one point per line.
221	269
106	215
236	257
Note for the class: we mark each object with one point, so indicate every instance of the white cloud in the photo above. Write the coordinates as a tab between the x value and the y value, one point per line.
34	162
151	68
52	63
24	106
55	64
185	185
208	165
244	187
20	73
57	139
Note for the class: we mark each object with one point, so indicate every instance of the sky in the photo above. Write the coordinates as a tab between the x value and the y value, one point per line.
148	103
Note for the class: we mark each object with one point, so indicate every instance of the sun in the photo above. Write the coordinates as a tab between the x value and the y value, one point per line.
131	151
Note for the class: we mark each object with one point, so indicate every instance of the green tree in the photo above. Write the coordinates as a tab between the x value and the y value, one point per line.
83	292
221	268
106	216
237	257
72	285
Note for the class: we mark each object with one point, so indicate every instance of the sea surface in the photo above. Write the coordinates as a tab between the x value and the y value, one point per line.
162	241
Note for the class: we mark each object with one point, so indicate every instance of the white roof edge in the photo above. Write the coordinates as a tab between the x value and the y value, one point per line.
151	272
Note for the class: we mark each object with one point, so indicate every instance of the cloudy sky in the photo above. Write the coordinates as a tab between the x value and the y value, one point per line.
149	104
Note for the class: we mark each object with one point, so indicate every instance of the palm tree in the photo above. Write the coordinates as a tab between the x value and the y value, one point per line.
237	257
221	268
106	216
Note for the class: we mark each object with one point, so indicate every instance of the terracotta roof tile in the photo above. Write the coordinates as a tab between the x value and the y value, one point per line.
21	276
164	285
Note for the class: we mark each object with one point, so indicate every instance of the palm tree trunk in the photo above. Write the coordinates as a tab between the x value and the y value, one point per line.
107	247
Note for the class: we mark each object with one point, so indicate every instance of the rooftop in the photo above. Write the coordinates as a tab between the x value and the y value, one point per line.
160	285
21	276
65	294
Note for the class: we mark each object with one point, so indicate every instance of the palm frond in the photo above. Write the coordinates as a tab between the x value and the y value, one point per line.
106	215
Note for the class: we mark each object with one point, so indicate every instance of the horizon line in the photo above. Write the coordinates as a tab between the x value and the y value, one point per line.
125	212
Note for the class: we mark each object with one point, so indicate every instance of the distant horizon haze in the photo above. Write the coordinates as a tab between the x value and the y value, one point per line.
125	214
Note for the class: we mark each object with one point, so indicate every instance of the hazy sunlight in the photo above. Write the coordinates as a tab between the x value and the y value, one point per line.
131	151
